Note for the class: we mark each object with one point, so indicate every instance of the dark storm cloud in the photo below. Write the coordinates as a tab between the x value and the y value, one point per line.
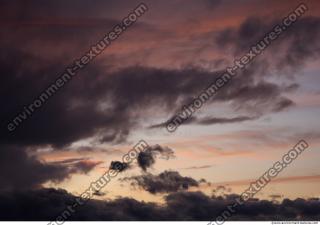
183	206
165	182
148	157
104	104
67	117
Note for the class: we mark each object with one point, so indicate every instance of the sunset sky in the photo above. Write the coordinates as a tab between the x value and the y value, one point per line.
171	53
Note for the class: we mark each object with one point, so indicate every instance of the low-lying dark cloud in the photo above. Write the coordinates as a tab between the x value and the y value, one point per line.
19	170
165	182
180	206
148	157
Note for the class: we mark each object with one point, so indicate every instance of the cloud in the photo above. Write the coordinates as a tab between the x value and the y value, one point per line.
215	120
84	166
282	104
115	137
119	166
294	47
197	167
70	160
114	99
179	206
78	165
145	160
148	157
165	182
99	193
106	104
19	170
276	197
221	190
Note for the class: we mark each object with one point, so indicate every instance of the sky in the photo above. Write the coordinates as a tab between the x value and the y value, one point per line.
140	81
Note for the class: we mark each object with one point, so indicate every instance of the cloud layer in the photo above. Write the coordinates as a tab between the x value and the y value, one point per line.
182	206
